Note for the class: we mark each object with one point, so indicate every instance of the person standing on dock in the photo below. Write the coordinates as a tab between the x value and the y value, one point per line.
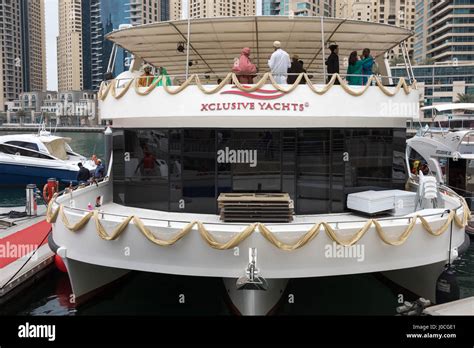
279	63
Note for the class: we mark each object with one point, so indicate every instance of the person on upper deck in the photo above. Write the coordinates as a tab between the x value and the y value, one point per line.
333	63
279	63
296	69
367	65
354	68
244	68
164	76
146	78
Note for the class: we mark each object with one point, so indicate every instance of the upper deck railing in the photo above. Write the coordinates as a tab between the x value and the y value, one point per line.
174	84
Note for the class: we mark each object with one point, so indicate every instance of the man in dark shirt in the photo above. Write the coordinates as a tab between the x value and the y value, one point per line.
295	69
333	63
83	175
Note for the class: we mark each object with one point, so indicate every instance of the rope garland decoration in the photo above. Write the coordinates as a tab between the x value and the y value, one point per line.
110	87
51	217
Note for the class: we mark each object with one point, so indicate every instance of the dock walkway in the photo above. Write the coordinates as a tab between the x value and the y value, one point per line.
24	252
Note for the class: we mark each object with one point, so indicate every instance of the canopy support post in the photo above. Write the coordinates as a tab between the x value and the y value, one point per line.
406	59
409	61
186	14
323	50
187	47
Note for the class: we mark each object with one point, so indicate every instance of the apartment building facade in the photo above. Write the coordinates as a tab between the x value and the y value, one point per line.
22	48
83	52
394	12
212	8
326	8
444	31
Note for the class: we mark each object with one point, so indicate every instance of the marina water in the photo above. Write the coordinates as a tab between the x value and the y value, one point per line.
160	294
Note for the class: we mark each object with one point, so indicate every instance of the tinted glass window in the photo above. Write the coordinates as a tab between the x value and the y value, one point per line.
26	145
255	160
313	171
199	158
13	150
185	170
145	169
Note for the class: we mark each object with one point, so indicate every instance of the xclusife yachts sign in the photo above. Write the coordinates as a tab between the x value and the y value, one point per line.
262	102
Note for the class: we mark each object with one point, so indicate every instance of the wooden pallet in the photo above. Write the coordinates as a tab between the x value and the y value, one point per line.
255	207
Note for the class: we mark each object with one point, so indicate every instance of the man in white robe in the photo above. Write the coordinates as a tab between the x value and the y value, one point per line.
279	63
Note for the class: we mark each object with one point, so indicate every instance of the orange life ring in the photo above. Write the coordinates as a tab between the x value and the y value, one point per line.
50	189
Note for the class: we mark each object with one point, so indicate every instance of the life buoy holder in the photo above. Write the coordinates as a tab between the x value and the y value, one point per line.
50	189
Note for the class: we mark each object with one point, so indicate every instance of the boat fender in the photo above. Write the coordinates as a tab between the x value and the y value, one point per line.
50	189
58	261
447	288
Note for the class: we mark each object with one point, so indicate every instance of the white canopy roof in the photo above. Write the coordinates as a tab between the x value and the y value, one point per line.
450	106
215	42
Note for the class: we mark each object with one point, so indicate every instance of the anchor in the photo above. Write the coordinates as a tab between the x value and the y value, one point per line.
252	281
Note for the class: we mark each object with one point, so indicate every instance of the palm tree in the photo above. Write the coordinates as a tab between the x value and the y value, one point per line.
465	98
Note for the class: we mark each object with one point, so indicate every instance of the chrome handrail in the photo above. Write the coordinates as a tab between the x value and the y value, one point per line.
169	221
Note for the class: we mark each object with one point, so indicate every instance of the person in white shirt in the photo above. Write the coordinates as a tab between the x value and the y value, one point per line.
279	63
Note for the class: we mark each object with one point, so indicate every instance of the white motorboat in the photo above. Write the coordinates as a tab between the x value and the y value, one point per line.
34	158
183	154
448	154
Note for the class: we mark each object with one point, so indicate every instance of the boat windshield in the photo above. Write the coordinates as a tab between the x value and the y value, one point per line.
58	147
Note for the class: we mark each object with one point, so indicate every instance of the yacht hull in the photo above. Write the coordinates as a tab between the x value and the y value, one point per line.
87	280
255	302
21	174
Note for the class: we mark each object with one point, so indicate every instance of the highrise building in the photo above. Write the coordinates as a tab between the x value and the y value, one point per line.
354	9
140	11
22	48
324	8
82	30
33	45
400	13
213	8
69	41
444	31
165	10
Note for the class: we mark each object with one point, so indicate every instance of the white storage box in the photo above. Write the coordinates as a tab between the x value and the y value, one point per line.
372	202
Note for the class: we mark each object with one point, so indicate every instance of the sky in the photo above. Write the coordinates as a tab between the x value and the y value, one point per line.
52	30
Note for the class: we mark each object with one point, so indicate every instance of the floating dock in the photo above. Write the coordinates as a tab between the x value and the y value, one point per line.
24	252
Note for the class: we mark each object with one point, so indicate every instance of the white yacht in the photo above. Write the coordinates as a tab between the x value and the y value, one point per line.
34	158
446	153
211	178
